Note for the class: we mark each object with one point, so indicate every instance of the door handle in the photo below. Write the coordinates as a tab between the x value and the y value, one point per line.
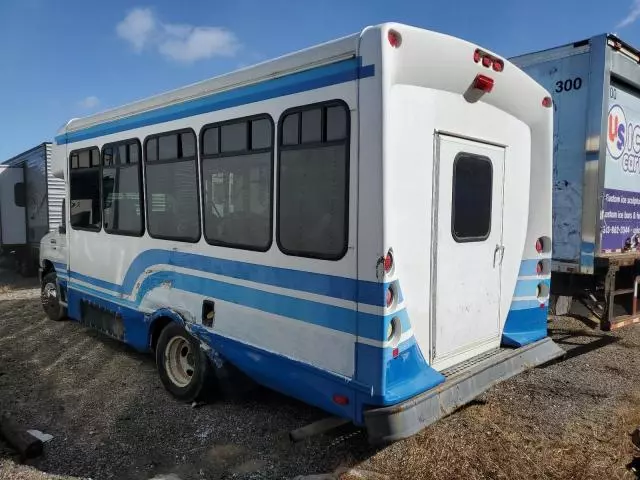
498	251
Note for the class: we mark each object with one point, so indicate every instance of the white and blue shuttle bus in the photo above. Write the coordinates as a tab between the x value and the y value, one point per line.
364	225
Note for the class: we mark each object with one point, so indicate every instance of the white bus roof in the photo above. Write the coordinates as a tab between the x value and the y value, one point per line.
318	55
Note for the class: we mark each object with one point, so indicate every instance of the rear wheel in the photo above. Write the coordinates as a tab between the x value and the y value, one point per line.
50	298
183	367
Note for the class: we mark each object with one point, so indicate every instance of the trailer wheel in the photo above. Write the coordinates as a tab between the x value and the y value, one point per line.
50	298
183	366
560	305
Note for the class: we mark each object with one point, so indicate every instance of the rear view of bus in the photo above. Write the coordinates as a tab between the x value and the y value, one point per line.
364	225
466	155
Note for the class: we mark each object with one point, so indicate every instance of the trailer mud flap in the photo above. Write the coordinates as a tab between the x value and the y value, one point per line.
388	424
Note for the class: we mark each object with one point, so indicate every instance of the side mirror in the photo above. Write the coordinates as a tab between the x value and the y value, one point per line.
62	229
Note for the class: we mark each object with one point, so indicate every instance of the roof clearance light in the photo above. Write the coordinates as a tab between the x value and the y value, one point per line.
498	65
395	40
486	61
484	83
477	56
547	102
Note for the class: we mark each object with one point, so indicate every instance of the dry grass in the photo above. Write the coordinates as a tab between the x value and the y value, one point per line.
484	441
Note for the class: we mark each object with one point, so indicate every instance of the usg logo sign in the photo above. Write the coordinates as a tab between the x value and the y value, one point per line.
616	132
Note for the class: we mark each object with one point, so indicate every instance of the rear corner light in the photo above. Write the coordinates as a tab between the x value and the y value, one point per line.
547	102
340	399
542	292
388	262
543	244
483	83
390	296
394	332
395	39
498	65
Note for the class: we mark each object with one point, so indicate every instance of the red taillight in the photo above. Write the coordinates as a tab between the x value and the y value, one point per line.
388	262
389	296
547	102
539	245
341	399
394	38
484	83
488	60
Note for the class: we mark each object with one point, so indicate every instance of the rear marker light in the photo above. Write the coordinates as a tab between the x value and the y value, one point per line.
484	83
340	399
488	60
395	40
389	296
539	268
539	245
547	102
395	352
388	262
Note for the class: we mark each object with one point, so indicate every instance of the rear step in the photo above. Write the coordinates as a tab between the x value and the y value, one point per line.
464	382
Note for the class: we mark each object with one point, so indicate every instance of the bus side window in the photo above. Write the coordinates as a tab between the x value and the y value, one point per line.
122	205
84	189
237	165
313	181
172	186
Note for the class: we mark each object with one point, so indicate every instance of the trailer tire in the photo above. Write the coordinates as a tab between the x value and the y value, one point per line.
50	298
184	368
561	305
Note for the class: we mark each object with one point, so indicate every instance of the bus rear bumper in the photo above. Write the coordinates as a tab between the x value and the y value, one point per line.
388	424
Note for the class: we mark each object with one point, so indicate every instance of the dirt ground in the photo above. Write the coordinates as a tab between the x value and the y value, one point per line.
111	418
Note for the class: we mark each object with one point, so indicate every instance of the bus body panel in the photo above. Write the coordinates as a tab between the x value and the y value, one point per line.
358	328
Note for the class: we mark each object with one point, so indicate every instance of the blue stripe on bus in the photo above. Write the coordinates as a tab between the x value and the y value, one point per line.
525	326
528	288
314	78
336	318
60	267
361	291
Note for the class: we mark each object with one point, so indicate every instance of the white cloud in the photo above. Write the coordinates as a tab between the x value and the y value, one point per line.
632	16
177	42
137	27
89	102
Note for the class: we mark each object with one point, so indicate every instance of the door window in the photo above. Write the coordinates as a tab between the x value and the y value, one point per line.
472	198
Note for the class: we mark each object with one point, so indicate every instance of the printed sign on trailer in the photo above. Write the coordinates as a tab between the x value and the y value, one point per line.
621	203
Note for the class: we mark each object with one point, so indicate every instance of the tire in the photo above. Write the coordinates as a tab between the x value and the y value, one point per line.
561	305
50	298
183	366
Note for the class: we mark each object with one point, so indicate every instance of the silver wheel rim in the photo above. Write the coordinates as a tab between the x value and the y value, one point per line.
50	296
179	361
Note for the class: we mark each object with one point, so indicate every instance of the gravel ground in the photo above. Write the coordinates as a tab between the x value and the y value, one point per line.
111	418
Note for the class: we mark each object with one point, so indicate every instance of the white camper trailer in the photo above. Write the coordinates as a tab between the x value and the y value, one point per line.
31	205
364	225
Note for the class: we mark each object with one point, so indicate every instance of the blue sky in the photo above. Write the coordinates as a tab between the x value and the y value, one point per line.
65	59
